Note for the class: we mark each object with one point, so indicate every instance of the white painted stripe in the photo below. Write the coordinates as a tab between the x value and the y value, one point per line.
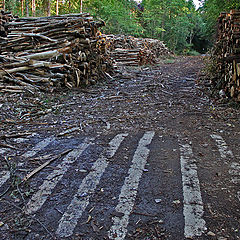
235	180
235	169
39	198
129	190
193	206
226	153
222	147
80	201
38	147
4	176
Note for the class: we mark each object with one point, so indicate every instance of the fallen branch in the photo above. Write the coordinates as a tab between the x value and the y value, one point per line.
8	146
15	135
68	131
36	170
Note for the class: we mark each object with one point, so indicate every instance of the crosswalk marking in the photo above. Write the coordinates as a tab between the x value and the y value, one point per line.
193	209
4	176
2	151
129	190
193	206
39	198
225	153
80	201
38	147
235	169
222	147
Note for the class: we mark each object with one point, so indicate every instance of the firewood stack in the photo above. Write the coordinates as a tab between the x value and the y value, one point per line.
158	47
131	51
5	18
48	52
227	54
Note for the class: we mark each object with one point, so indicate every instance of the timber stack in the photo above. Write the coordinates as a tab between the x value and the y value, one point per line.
131	51
227	54
45	53
5	18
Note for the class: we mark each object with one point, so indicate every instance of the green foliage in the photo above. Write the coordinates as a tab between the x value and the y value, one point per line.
119	15
212	9
174	21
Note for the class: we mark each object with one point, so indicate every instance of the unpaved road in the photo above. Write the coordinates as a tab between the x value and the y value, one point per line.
145	156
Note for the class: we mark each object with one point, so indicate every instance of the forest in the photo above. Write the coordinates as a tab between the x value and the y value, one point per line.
184	29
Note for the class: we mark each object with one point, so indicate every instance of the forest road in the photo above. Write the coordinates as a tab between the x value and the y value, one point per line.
144	156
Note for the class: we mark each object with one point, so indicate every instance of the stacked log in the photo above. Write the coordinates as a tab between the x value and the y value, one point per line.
129	57
131	51
158	47
227	54
5	18
47	52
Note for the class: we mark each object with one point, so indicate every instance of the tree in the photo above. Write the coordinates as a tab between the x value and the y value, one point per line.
34	8
212	9
170	21
119	15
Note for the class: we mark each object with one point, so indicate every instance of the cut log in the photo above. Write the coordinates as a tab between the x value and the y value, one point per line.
54	51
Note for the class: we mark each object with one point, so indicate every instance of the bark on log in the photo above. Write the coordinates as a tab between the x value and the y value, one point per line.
53	51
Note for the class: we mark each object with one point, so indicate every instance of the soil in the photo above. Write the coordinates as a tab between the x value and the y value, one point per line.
171	98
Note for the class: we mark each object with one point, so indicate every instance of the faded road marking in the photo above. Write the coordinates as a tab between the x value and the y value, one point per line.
235	169
226	153
39	198
129	190
4	176
38	147
80	201
222	147
193	205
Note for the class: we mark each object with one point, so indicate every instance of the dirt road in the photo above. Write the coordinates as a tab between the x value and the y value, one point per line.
147	155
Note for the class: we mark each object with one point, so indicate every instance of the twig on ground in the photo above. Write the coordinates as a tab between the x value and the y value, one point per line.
36	170
8	146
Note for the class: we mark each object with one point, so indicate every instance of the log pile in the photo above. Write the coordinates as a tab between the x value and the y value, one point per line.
5	18
158	47
227	54
131	51
44	53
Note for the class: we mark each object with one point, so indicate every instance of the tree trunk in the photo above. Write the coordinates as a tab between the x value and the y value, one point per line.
81	6
57	7
163	26
22	7
33	8
3	5
69	6
49	8
27	8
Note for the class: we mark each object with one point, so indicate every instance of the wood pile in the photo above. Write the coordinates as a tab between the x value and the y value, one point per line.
227	54
43	53
158	47
131	51
126	56
5	18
